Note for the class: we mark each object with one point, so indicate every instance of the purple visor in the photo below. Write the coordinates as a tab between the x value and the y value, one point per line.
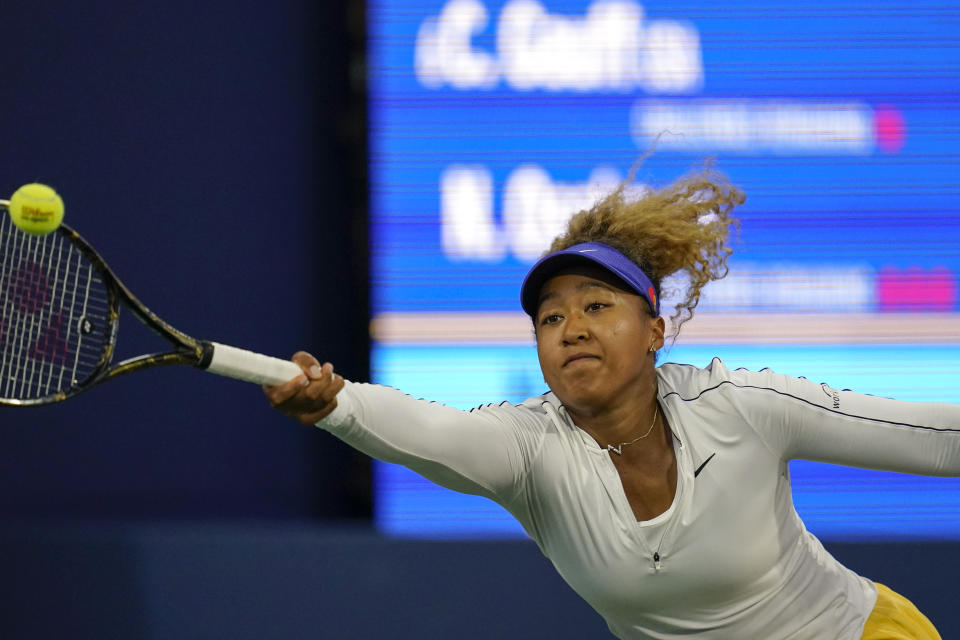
596	252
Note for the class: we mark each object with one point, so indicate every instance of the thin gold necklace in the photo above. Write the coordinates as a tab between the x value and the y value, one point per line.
618	448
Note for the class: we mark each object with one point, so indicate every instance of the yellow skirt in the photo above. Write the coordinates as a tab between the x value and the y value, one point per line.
896	618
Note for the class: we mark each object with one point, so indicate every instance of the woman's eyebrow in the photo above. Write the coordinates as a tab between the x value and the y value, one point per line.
546	296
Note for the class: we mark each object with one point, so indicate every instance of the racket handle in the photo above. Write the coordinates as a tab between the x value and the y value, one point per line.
249	366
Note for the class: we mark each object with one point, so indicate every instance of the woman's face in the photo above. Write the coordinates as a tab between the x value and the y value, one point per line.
594	339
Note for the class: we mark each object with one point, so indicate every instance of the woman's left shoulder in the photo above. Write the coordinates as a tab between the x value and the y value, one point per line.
689	381
678	377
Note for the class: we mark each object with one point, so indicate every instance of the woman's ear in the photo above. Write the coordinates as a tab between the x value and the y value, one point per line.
657	331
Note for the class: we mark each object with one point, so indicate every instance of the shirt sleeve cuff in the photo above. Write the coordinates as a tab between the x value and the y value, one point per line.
342	412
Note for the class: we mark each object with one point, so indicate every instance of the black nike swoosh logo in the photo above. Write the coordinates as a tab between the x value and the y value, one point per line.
700	468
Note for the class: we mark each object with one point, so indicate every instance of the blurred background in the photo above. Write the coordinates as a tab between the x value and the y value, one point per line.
370	181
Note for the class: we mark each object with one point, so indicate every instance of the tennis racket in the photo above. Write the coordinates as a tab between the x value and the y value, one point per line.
60	305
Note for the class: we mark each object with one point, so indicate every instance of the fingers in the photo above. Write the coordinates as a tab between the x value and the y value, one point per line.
309	397
281	393
305	360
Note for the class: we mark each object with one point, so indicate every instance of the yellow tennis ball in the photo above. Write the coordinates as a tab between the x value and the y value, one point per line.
36	209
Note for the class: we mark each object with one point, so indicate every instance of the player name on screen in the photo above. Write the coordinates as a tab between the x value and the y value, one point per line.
610	47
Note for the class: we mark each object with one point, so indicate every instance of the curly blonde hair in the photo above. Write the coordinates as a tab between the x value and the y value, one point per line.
680	229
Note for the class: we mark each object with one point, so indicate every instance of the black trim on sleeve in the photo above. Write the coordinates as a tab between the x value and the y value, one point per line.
812	404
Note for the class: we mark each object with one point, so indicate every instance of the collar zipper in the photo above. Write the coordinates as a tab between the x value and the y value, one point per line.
669	525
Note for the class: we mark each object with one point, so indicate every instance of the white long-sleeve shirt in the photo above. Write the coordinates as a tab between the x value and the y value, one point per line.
730	558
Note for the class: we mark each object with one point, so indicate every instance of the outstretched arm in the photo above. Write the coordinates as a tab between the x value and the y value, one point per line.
482	452
802	419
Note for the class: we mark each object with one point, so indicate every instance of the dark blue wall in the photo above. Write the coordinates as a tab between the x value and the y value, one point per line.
206	149
266	581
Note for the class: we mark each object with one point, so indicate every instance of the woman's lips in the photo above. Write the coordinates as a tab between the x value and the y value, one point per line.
580	357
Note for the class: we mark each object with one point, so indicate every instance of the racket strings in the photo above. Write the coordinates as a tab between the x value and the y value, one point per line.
54	314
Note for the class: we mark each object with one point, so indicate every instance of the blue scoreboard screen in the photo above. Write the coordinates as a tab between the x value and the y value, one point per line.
492	122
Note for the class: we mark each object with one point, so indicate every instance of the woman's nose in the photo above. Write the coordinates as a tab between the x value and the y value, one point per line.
575	329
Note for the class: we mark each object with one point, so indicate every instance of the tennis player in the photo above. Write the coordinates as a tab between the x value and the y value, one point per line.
660	493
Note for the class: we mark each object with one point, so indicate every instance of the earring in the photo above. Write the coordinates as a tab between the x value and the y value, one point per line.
652	348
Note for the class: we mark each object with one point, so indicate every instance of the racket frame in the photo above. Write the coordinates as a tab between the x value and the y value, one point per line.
187	350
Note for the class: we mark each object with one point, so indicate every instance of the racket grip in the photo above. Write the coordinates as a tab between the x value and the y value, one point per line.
249	366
